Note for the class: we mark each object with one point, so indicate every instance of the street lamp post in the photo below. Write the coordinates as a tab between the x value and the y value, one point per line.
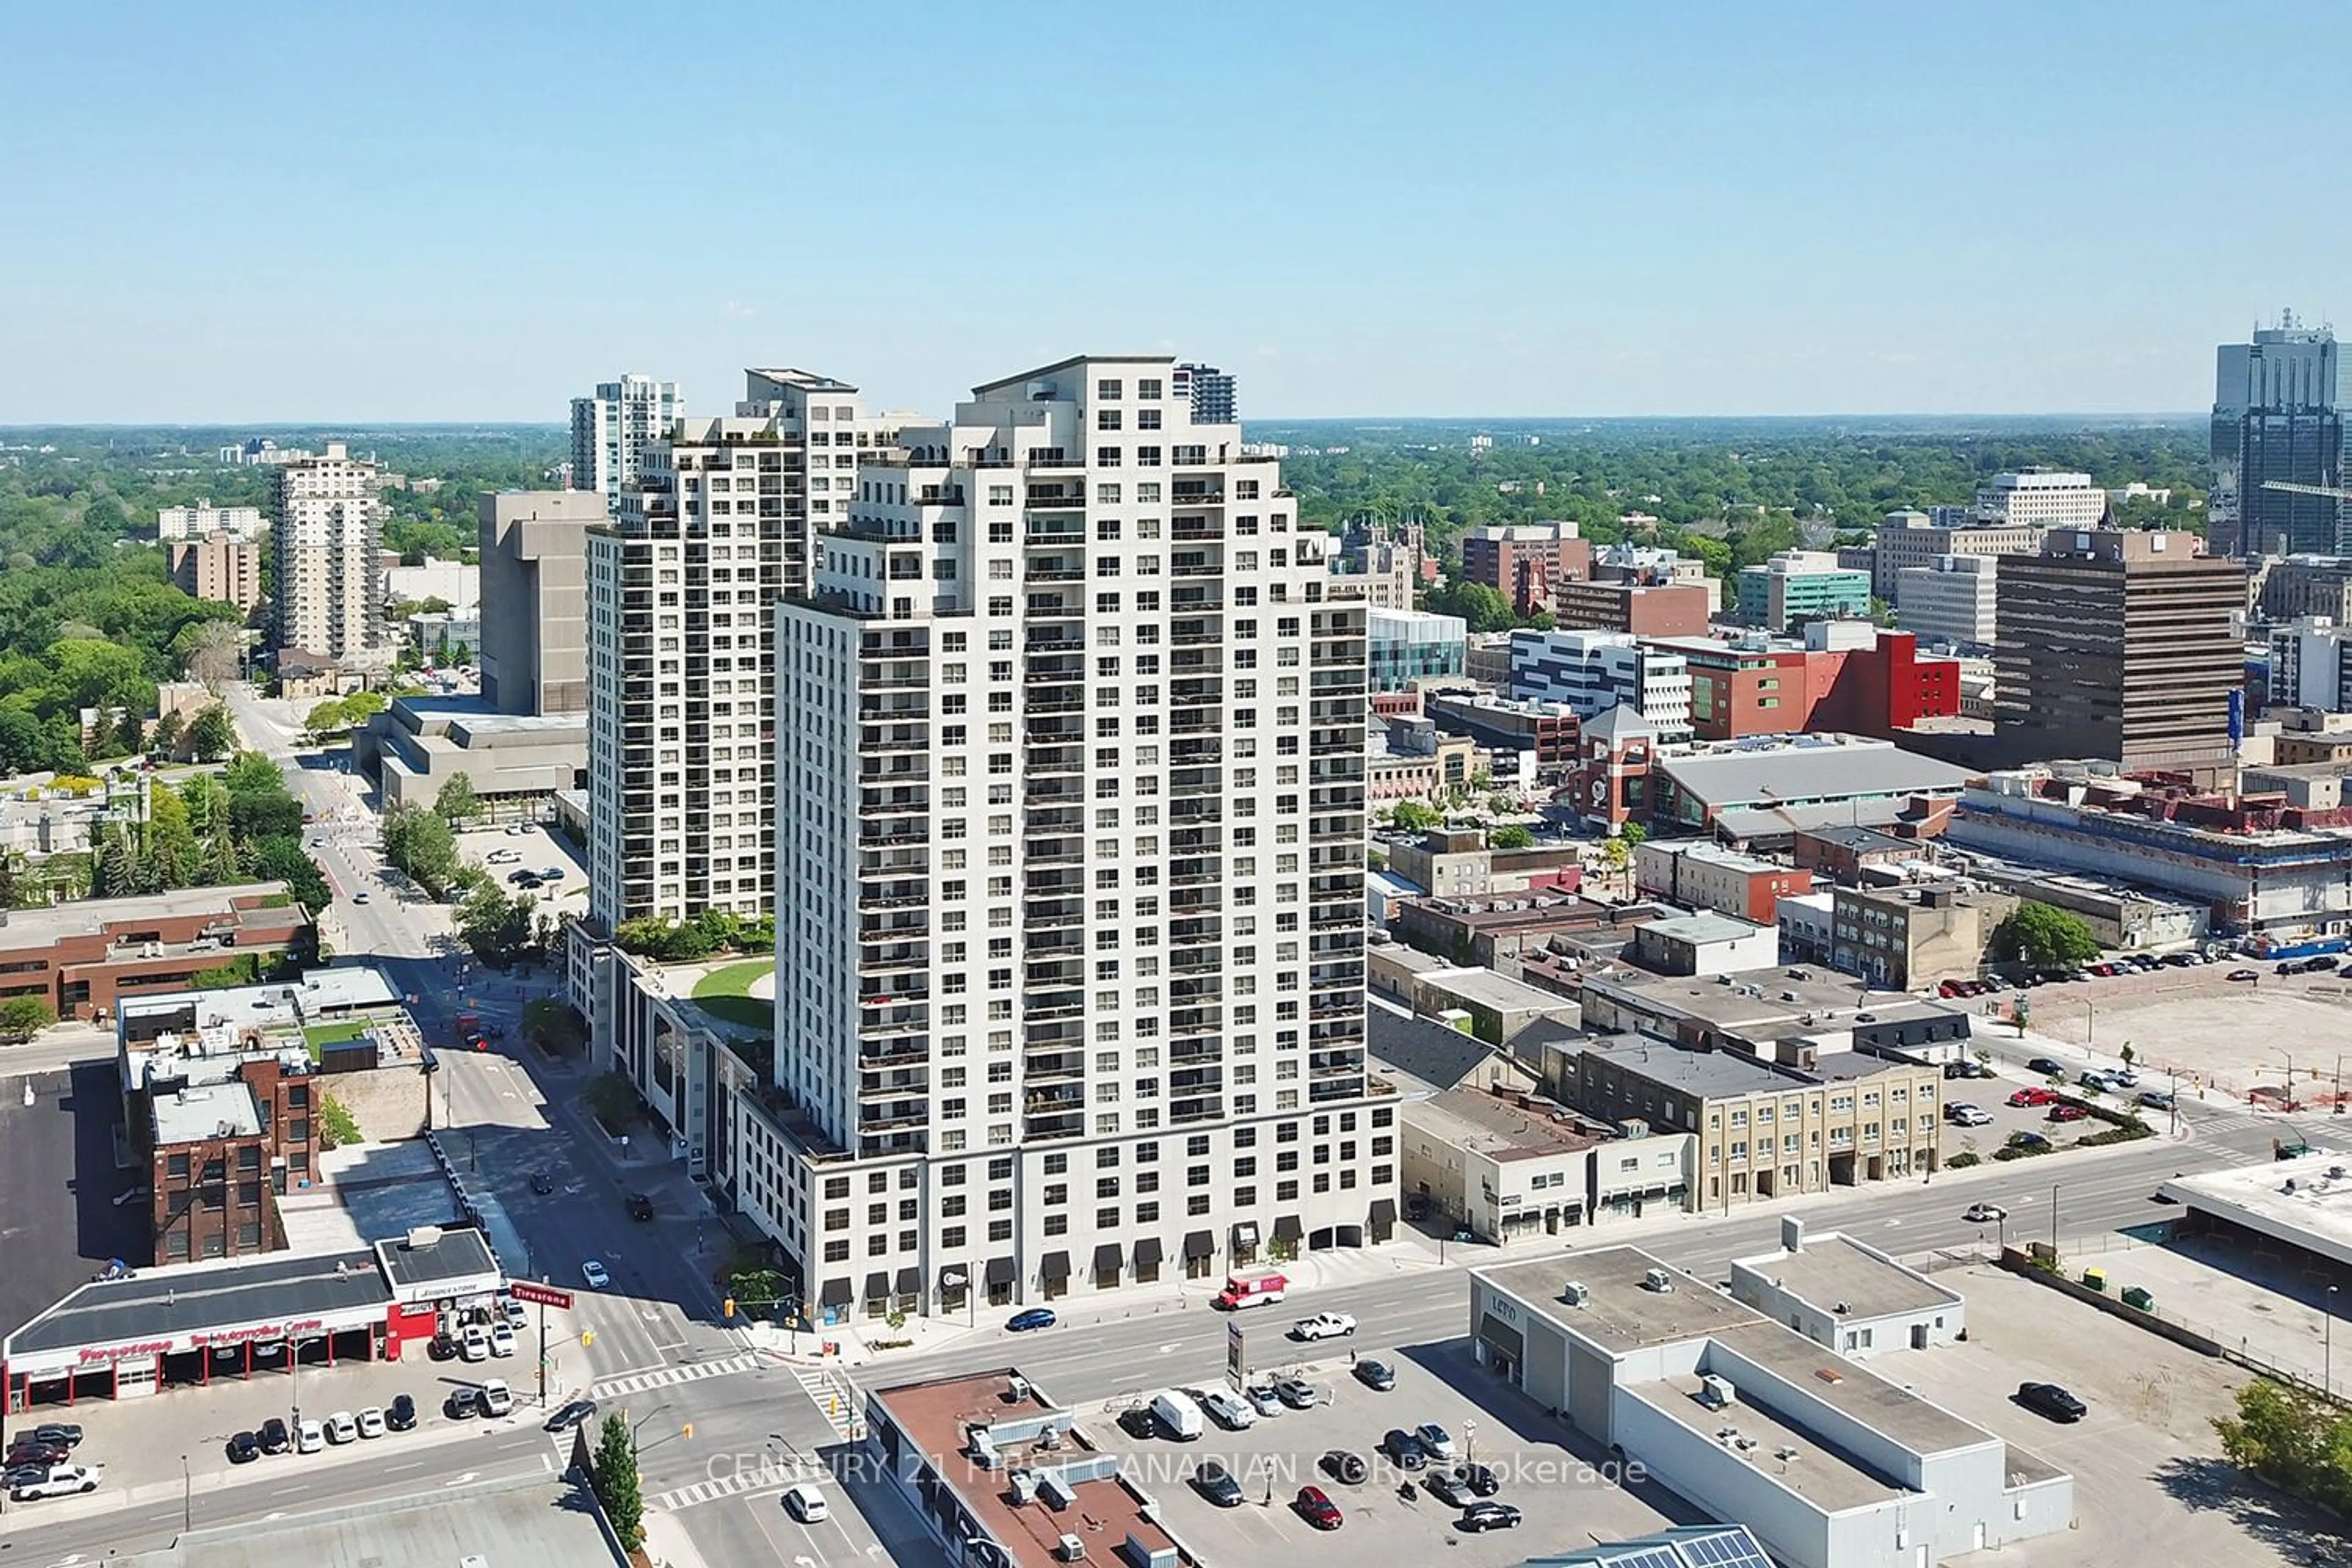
2327	1347
2054	1223
188	1497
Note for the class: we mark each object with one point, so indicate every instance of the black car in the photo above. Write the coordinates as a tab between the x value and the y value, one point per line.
2325	961
1216	1483
1138	1422
578	1413
1404	1448
2047	1067
1489	1516
274	1437
465	1403
1343	1466
244	1449
542	1182
641	1207
1376	1374
401	1414
2049	1399
1446	1488
1479	1479
442	1348
57	1433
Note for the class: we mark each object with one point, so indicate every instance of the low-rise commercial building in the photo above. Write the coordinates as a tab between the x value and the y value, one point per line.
1592	672
1410	758
2263	868
1908	540
516	762
1505	1164
1703	945
1490	1007
1757	1013
1841	675
1854	856
1404	645
1830	1465
1913	937
1845	1294
1500	928
1765	794
1675	609
83	957
1700	875
1459	863
1549	730
1808	927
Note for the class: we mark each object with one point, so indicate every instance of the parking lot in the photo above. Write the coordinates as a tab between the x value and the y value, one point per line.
1564	1492
2149	1482
2229	1036
505	850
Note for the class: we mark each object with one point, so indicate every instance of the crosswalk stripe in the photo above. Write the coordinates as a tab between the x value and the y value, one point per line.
773	1475
668	1377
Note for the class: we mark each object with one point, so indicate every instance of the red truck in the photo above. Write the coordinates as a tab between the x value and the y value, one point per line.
1258	1290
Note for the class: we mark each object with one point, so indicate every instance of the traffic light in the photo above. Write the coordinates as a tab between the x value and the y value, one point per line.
690	1430
587	1337
727	1308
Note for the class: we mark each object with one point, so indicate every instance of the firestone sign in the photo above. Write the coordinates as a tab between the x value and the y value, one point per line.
201	1339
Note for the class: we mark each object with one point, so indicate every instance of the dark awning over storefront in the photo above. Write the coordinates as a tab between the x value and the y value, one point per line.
910	1281
1147	1253
836	1293
1199	1244
1502	1336
1287	1228
1001	1271
877	1285
1110	1257
1055	1266
1383	1211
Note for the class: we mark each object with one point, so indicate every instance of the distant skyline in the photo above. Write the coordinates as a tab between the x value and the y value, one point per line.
278	214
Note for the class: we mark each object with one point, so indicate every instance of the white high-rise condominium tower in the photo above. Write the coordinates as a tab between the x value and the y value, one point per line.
612	432
327	587
1070	868
682	590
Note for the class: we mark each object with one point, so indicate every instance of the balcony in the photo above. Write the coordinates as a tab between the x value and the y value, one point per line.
893	1056
898	1087
1185	1113
1061	1066
1044	1128
1040	499
1056	458
1058	572
895	958
892	1117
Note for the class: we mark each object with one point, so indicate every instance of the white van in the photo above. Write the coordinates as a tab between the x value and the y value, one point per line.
1178	1416
805	1503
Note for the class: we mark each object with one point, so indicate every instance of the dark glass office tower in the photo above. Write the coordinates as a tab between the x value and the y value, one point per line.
2276	422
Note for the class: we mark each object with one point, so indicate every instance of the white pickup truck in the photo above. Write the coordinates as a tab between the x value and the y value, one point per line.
1323	1326
57	1480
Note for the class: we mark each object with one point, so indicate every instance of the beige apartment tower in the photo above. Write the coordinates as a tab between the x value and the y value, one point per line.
534	550
221	568
329	583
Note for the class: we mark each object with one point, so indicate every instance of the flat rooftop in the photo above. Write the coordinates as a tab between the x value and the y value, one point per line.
1849	1387
2303	1202
1710	1075
936	1418
1833	1270
1619	1314
460	1253
1815	1470
1764	1001
207	1110
527	1520
160	1303
1499	1125
1704	926
91	917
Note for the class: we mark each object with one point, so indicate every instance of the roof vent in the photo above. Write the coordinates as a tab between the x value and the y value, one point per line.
1657	1280
423	1236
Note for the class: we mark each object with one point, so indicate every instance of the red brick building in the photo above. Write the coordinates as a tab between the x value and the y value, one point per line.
80	957
1643	609
1847	677
1609	782
1525	562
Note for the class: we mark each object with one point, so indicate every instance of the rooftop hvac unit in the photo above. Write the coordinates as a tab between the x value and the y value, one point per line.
1070	1549
1056	1492
1717	1392
1657	1280
1016	1389
423	1236
1575	1294
1024	1486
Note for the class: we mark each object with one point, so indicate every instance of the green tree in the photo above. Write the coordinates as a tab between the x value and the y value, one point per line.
212	736
1482	608
1633	833
555	1026
497	926
419	843
2292	1439
1512	835
614	1099
1415	817
326	718
22	1017
173	853
165	741
335	1118
280	857
615	1480
457	802
114	868
2045	937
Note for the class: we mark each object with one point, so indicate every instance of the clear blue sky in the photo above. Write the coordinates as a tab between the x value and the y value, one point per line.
447	211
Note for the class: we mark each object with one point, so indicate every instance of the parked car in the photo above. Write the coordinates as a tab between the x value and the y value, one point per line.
1968	1116
274	1438
2066	1112
442	1348
805	1503
2022	1139
1316	1507
309	1437
1297	1392
1030	1320
1263	1396
578	1413
498	1399
594	1273
1481	1480
401	1414
2049	1399
2155	1099
1405	1448
502	1340
1446	1488
553	874
2242	974
57	1480
465	1403
1323	1326
2034	1097
2322	961
1216	1483
1489	1516
370	1422
524	879
63	1434
244	1449
340	1427
2048	1067
1376	1374
1228	1409
1435	1439
1138	1422
25	1452
1342	1466
517	1316
474	1344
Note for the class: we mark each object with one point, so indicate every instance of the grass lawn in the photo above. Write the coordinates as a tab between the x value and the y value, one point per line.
727	993
321	1034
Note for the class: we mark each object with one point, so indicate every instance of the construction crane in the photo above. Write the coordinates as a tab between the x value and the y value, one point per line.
2325	492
